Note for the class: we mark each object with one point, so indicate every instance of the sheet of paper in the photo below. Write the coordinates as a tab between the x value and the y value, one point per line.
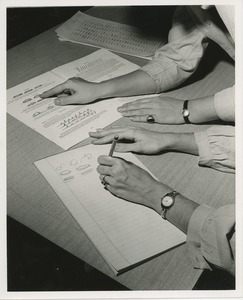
68	125
88	30
124	233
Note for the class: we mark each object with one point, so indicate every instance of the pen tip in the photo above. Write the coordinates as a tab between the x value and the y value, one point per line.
116	137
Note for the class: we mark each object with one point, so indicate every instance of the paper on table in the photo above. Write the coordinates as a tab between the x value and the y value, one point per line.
124	233
88	30
68	125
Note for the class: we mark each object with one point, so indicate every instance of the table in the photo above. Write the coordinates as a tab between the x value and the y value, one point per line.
31	201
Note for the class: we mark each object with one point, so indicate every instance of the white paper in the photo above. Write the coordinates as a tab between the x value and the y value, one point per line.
124	233
88	30
68	125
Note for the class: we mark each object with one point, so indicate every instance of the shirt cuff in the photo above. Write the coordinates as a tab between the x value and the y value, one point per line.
224	103
194	236
216	148
205	155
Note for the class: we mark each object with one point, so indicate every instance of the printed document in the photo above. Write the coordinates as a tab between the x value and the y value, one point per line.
88	30
68	125
124	233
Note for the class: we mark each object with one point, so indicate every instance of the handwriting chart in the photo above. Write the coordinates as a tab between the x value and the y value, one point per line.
85	29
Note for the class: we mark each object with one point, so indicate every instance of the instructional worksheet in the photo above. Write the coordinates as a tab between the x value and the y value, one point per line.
122	38
68	125
124	233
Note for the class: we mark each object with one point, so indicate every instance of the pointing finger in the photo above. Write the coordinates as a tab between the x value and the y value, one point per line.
59	89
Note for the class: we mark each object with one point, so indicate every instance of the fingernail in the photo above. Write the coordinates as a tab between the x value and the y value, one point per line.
57	101
99	129
119	109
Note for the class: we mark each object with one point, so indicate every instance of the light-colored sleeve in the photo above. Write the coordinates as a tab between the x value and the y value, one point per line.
211	237
224	103
216	147
176	61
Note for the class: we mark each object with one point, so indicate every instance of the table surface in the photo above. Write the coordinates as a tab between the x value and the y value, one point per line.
31	201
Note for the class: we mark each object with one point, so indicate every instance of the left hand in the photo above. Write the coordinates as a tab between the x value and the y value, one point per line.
128	181
132	139
165	110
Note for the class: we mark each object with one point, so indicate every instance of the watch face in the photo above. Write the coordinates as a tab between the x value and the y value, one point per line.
185	113
167	201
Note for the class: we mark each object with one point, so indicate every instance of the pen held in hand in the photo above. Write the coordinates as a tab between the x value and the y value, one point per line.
113	145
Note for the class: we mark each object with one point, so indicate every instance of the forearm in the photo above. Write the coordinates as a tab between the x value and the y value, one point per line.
180	213
202	110
135	83
182	142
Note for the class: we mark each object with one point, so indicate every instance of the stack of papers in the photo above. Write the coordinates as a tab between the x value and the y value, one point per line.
84	29
125	234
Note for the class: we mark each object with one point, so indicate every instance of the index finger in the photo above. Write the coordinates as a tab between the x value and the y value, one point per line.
106	160
104	138
135	105
59	89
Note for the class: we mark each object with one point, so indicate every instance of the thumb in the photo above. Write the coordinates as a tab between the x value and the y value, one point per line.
126	148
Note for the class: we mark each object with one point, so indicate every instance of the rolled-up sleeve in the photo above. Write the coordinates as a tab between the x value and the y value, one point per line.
211	237
216	147
177	60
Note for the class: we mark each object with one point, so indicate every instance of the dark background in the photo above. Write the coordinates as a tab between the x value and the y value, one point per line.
25	23
34	263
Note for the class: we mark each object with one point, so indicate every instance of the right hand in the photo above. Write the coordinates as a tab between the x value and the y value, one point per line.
130	182
73	91
141	140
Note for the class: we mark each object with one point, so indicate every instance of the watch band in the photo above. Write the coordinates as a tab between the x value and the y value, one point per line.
164	210
185	112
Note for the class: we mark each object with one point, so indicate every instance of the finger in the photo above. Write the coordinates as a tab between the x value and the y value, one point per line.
126	148
103	170
59	89
102	179
106	160
123	135
138	112
140	118
68	100
99	133
132	106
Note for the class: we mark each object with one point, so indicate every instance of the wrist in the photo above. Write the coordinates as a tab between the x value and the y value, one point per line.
103	90
158	190
202	110
183	142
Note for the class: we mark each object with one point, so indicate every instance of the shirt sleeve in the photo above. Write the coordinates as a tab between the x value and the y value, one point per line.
216	147
176	61
211	237
224	103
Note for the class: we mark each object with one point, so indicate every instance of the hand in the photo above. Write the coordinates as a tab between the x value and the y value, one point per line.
141	140
128	181
73	91
165	110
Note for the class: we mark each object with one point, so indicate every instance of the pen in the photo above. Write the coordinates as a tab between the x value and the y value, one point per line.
113	145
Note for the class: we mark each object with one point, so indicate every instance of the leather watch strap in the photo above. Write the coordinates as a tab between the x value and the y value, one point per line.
185	112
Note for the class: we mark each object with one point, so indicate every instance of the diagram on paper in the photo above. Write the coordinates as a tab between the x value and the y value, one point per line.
75	168
76	118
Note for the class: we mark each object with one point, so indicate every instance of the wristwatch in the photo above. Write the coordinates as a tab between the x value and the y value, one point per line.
167	202
185	112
